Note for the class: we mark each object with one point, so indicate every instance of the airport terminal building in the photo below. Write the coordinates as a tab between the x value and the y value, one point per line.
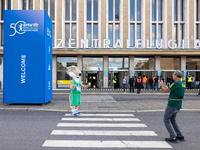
107	38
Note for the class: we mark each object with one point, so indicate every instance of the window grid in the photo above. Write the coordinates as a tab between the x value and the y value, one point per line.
70	22
113	22
179	21
91	23
4	5
135	22
197	20
157	22
48	6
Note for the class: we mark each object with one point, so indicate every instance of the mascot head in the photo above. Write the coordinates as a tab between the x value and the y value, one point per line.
74	73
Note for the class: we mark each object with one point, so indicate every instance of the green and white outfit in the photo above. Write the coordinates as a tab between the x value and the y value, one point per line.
173	107
76	94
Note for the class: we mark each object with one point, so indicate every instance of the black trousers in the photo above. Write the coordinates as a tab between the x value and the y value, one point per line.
115	85
131	86
139	85
189	85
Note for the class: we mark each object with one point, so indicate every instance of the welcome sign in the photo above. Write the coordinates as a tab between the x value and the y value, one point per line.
27	57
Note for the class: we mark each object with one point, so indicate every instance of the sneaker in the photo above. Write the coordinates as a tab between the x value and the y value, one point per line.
74	113
78	112
180	138
171	140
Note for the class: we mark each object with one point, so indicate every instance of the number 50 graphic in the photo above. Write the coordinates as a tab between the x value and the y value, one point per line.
18	27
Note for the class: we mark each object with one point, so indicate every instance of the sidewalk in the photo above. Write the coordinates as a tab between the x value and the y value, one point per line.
106	106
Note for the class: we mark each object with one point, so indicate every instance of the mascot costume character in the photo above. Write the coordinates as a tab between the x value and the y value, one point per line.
75	89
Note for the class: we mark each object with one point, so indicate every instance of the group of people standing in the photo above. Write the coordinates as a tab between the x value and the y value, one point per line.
139	82
152	83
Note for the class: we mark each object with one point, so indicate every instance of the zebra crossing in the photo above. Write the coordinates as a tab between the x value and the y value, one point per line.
103	131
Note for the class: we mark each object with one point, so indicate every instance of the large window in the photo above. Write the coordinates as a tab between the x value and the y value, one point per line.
71	23
49	6
135	22
170	63
92	63
113	21
157	23
62	66
144	63
193	67
179	21
4	5
27	4
118	63
92	22
197	26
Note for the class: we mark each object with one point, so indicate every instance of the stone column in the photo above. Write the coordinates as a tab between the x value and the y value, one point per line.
131	64
54	72
157	67
1	71
183	63
157	63
80	62
105	71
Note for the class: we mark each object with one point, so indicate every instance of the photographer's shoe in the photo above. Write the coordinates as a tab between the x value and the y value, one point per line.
171	140
180	138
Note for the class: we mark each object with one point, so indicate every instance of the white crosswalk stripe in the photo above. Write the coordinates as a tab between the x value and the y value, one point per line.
106	144
100	125
104	115
109	127
101	119
108	133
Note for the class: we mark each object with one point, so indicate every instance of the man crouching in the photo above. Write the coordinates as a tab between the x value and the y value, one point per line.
177	90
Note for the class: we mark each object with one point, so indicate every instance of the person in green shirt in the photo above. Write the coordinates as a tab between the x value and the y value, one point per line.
176	90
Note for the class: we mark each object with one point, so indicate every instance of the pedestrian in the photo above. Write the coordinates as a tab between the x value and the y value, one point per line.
193	80
135	80
150	83
139	84
124	83
144	81
168	81
156	83
199	87
183	79
115	82
131	83
171	80
189	82
174	105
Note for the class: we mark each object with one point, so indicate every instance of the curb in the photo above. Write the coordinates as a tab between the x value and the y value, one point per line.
93	111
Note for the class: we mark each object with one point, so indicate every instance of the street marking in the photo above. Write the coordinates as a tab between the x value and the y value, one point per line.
104	115
106	144
99	125
104	133
101	119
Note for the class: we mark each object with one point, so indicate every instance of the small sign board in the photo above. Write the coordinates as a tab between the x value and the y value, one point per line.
158	72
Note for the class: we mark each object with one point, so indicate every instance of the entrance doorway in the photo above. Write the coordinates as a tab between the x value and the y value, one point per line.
95	78
167	74
120	76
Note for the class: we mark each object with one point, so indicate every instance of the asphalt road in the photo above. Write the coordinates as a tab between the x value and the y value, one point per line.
29	130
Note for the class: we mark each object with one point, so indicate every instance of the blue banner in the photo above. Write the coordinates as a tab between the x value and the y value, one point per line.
132	72
184	73
158	72
27	56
